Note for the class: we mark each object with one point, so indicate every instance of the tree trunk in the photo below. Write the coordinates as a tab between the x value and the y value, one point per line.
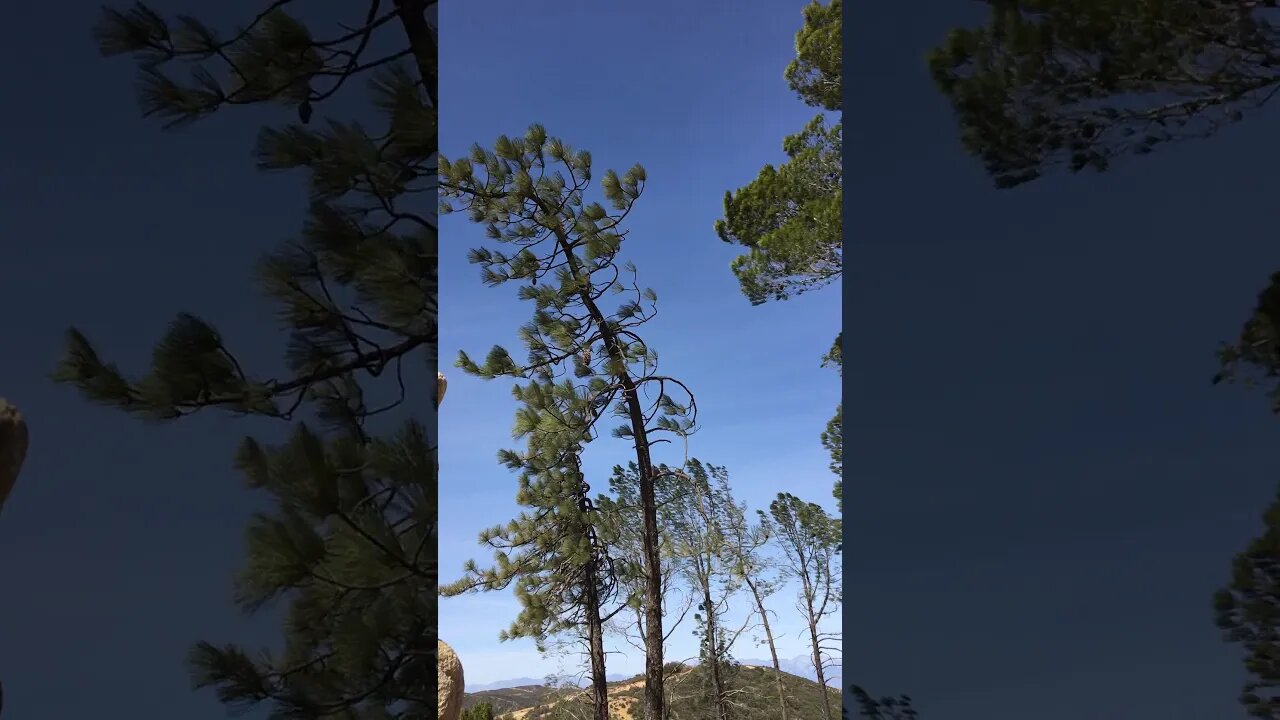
811	618
653	696
773	648
595	639
713	654
818	669
413	17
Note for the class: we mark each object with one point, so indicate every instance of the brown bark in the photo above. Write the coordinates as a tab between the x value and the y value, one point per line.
713	654
818	669
595	639
413	16
812	615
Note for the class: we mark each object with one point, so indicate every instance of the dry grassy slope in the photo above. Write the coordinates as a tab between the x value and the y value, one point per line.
754	694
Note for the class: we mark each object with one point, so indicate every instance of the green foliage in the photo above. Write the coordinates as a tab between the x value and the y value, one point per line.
274	58
482	711
810	541
1081	82
350	541
1246	611
530	195
816	74
546	551
621	527
758	572
789	218
833	436
701	523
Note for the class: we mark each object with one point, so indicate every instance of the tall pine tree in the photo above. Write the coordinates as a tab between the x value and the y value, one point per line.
530	194
746	543
700	517
808	540
350	543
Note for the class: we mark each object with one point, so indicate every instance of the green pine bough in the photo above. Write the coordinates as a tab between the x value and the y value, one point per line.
348	545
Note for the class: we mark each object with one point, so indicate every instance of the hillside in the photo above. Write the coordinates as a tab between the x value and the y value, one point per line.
754	695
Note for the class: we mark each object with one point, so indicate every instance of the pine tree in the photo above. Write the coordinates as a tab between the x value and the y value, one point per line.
621	526
702	504
351	541
563	575
745	545
789	217
805	533
530	194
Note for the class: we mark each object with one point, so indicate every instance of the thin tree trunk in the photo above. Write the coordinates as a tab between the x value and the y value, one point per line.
818	669
653	696
773	648
413	16
811	618
595	638
713	654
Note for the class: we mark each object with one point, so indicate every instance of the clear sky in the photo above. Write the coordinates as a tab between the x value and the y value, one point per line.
695	93
1044	488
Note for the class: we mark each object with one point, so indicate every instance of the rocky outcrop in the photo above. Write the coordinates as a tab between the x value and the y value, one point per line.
13	447
449	675
448	667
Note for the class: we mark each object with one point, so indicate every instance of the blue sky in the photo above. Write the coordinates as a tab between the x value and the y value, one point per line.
694	92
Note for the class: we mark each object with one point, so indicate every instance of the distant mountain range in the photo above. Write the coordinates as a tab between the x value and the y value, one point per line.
527	681
800	666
